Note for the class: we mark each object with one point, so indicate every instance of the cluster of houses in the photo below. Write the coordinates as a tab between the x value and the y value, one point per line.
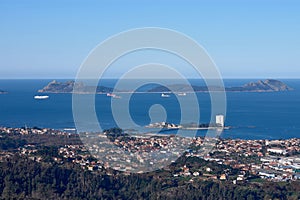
274	160
26	131
137	153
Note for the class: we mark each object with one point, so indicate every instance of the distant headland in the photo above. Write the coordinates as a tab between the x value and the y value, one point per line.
269	85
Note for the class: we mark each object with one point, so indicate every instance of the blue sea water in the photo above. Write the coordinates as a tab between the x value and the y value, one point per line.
250	115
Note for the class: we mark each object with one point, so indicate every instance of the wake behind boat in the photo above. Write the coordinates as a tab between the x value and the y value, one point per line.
41	97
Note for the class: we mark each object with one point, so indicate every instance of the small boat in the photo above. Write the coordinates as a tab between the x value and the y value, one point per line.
165	95
181	94
41	97
113	95
69	129
110	95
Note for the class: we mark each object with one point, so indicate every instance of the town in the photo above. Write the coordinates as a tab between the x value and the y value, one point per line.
240	160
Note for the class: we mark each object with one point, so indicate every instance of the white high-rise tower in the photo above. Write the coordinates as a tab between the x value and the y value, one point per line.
220	120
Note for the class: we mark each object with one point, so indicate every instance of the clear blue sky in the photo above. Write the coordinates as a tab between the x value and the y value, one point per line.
50	39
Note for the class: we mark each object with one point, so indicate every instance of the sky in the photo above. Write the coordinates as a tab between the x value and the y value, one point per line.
246	39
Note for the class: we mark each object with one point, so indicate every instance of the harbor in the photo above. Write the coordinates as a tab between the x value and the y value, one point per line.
166	126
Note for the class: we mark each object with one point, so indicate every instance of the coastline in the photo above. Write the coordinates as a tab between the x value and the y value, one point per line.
175	93
73	131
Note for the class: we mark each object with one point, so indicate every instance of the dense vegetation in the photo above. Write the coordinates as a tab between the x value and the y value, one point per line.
7	143
22	178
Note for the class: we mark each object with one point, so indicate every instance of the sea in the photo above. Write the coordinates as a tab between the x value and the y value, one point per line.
250	115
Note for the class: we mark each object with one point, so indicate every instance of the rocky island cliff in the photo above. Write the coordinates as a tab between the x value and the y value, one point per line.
67	87
269	85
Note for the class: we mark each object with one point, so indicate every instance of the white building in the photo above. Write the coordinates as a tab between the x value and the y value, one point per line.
266	174
277	151
220	120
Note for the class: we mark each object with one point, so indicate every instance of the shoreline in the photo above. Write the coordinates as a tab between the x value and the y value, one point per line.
175	93
23	130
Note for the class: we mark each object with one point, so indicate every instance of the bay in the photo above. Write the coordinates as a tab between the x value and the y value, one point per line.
251	115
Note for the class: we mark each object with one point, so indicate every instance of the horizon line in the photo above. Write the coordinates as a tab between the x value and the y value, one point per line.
73	78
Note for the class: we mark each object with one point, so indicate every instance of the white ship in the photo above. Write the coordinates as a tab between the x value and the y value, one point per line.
182	94
110	95
165	95
113	95
40	97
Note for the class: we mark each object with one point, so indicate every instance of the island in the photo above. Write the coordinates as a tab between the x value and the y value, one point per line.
166	126
269	85
67	87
